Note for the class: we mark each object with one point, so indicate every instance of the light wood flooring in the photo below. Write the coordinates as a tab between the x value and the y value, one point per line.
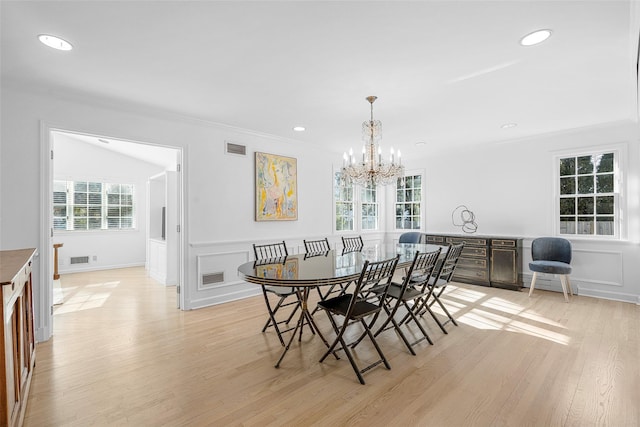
122	354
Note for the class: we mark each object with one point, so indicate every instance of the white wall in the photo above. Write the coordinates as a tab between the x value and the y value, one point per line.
509	187
77	161
218	188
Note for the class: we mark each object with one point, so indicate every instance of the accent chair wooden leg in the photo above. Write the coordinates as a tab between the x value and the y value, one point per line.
569	285
533	282
563	282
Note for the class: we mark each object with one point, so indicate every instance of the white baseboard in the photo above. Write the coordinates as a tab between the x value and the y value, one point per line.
94	267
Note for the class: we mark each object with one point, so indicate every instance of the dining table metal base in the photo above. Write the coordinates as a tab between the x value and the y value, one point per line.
305	318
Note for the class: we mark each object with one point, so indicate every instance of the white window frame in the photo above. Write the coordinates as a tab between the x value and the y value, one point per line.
104	207
422	202
334	183
375	205
620	154
358	203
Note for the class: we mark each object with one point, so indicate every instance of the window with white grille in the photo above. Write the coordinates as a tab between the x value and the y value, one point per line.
588	194
89	205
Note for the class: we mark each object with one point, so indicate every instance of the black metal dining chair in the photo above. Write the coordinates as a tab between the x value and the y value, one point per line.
438	284
414	287
366	302
352	244
274	253
319	246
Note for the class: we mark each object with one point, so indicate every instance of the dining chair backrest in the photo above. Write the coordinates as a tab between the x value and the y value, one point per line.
411	237
421	270
270	250
316	246
448	267
352	243
372	284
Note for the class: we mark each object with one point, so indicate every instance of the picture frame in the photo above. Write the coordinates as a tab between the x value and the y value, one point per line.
276	187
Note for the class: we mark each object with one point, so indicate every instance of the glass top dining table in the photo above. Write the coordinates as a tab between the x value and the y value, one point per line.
307	271
327	268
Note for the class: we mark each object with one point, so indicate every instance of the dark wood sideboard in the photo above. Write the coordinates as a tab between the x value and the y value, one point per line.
17	337
486	260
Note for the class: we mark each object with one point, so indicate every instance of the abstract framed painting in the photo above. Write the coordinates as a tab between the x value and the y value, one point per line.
276	188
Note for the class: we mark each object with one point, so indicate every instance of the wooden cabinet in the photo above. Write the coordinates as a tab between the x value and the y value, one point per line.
506	263
486	260
16	335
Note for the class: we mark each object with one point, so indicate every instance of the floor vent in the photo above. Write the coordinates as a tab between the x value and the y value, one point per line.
212	278
79	260
238	149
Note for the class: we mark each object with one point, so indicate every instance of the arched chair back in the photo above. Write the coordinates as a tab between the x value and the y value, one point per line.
411	237
551	249
551	255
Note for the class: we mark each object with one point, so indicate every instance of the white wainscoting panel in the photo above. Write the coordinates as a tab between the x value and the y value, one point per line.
225	265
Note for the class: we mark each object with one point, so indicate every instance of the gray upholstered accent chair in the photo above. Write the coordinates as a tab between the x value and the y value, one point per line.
551	255
411	237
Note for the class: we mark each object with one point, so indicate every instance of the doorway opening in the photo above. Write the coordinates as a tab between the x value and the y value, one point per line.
96	204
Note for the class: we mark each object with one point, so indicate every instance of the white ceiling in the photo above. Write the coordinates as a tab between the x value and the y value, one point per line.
165	157
449	73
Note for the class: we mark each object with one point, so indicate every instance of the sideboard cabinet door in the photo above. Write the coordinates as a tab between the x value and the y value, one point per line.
17	336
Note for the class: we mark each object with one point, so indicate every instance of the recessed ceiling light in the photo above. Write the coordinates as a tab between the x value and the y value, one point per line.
421	143
55	42
535	37
299	128
509	125
104	141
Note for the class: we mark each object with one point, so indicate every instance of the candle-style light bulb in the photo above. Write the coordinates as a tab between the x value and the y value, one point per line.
391	155
399	157
344	159
379	154
363	154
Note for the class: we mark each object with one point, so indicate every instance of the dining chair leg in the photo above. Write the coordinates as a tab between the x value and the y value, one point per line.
427	308
272	320
533	282
375	344
451	319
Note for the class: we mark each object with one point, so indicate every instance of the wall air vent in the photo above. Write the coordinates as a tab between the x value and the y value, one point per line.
79	260
212	278
240	150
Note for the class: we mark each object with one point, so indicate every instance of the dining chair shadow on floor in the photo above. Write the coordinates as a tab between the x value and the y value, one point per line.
366	300
551	255
275	255
437	285
414	286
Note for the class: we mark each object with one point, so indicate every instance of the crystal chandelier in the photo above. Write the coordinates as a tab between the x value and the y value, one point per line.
371	170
